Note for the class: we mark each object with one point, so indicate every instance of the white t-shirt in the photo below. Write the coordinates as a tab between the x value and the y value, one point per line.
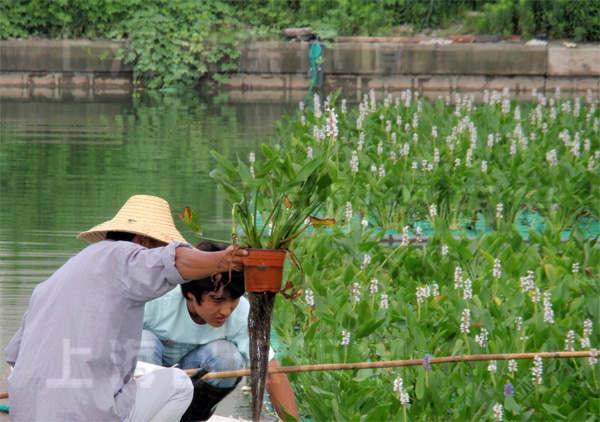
169	319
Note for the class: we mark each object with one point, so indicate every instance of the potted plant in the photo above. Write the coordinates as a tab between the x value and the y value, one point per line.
273	200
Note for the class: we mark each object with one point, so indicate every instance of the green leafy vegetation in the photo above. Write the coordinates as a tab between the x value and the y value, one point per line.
177	41
461	228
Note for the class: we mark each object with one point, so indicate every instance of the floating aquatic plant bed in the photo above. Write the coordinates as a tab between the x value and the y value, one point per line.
507	195
421	230
522	177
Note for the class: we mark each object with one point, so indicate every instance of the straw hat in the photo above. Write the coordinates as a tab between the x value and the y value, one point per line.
142	214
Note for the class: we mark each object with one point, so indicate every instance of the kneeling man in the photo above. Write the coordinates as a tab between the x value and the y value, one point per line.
204	324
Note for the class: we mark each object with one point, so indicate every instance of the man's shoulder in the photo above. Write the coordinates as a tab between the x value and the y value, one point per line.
110	249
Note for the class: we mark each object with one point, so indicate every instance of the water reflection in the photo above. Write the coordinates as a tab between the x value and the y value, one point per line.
68	165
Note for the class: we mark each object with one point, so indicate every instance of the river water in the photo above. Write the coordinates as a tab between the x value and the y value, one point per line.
67	165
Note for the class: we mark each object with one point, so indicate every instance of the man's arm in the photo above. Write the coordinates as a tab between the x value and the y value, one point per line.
281	393
193	264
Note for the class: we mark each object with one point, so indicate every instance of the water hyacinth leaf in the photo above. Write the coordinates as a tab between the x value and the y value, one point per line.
346	244
487	256
516	240
306	139
326	316
289	166
433	342
560	292
335	95
576	305
578	414
579	235
368	245
454	244
287	417
324	184
349	273
232	194
420	387
405	194
554	412
595	405
593	307
225	165
379	413
310	167
325	394
552	273
333	169
267	167
527	415
440	228
245	174
190	218
267	151
367	327
457	346
511	405
337	272
293	141
309	335
517	299
513	263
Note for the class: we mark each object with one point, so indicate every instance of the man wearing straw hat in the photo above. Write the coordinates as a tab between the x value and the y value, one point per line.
76	350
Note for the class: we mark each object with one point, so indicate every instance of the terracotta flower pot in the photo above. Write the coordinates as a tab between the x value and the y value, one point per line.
263	270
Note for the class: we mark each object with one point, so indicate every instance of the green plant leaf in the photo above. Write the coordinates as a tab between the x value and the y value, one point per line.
367	327
552	410
245	174
224	164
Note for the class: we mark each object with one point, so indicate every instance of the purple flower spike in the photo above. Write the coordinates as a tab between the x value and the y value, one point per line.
427	362
555	207
509	390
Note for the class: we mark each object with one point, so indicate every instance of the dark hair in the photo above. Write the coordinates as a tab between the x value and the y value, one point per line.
235	287
120	236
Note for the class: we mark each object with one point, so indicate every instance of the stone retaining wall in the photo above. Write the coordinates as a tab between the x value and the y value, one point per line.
355	66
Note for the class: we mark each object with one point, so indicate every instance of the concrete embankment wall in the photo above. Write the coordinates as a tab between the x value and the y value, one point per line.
84	67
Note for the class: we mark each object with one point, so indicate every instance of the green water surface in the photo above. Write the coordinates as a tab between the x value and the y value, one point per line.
67	165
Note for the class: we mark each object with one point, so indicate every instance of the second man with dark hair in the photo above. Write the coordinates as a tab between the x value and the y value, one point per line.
204	324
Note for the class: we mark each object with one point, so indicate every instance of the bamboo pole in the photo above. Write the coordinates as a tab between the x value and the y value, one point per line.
388	364
395	363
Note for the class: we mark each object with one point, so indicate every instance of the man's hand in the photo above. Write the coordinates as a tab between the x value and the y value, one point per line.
232	255
193	264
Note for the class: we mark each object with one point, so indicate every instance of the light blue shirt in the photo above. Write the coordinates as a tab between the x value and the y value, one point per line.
168	318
